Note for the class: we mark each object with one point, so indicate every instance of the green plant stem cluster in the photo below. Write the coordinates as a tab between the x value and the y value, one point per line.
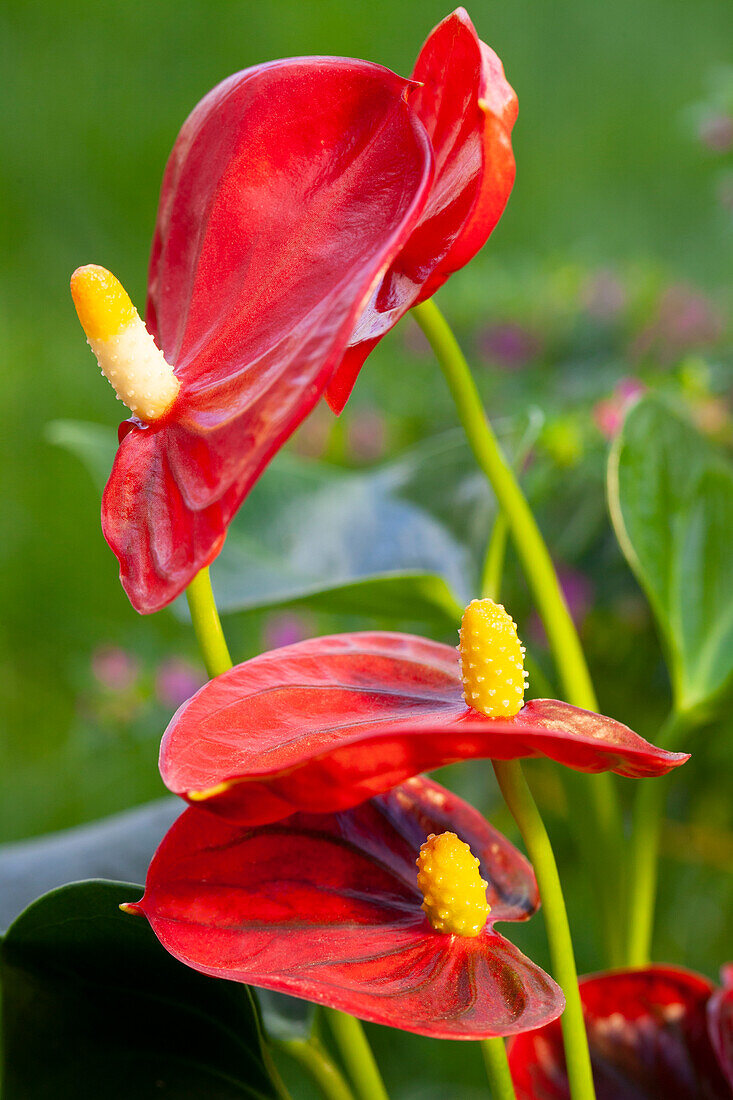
573	671
518	798
347	1030
646	819
309	1054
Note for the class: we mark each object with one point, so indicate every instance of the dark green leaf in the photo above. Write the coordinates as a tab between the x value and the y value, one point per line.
671	501
93	1006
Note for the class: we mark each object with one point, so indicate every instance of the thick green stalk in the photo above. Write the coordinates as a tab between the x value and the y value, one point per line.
357	1055
494	561
497	1069
518	798
212	643
648	812
275	1078
530	545
601	850
309	1054
207	625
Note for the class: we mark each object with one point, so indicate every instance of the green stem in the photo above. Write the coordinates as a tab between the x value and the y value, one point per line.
357	1055
494	561
519	799
602	851
497	1069
647	817
530	545
207	625
212	643
277	1081
313	1058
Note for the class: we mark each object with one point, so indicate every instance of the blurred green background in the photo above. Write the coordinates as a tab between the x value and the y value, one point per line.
610	270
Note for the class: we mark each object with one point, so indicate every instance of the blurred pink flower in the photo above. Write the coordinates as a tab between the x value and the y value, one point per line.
177	680
367	435
578	591
312	437
685	320
715	132
609	413
725	192
114	669
509	345
286	628
604	295
415	342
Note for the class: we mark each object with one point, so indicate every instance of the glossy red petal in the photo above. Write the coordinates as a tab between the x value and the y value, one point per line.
289	191
647	1037
720	1023
327	907
324	724
468	110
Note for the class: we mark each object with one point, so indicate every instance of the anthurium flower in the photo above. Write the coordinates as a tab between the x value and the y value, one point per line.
653	1033
327	907
326	723
306	205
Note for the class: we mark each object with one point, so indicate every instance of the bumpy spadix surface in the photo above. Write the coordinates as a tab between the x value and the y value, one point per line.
327	907
125	350
492	660
326	723
454	894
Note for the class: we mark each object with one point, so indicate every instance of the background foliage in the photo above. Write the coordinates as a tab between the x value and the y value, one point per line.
609	272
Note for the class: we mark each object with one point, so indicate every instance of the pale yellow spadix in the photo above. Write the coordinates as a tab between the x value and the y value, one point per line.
126	352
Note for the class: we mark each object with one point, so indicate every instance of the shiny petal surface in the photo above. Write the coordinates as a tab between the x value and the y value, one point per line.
290	190
468	109
720	1023
324	724
327	907
647	1037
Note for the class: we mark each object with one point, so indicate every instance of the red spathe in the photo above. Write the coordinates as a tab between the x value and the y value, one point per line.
306	205
468	110
326	723
654	1033
327	907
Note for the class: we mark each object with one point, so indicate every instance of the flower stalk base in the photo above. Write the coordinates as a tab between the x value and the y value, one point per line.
518	798
497	1069
357	1054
